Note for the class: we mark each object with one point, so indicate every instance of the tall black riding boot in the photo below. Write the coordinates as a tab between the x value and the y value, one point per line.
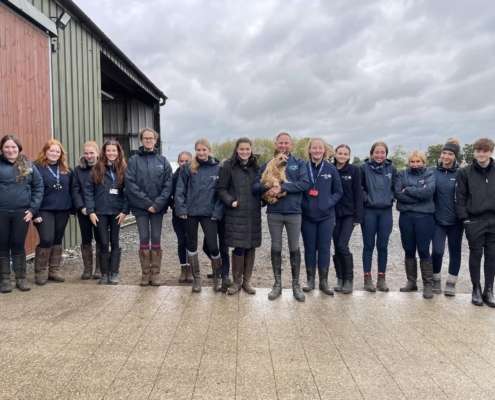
104	268
5	272
114	266
347	273
311	274
276	257
337	263
295	265
19	262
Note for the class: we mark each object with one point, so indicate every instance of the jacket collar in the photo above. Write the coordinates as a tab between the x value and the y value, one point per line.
454	168
479	167
143	152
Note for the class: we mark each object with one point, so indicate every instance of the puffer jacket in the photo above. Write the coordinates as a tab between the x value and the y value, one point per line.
322	207
81	174
378	184
444	197
25	195
351	202
242	223
419	186
296	173
99	200
148	182
195	194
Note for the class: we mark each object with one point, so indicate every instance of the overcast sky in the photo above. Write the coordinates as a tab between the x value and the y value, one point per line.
352	71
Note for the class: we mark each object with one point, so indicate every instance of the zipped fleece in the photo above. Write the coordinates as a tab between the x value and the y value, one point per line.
378	184
351	202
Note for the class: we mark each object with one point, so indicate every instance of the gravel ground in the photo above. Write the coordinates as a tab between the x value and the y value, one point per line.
130	270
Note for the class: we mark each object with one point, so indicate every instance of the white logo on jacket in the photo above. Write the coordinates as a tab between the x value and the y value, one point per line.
326	176
214	177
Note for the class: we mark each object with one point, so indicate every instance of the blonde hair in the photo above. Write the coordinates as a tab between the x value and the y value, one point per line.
93	145
194	162
328	149
417	153
454	141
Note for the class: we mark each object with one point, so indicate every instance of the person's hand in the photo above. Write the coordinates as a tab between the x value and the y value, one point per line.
83	211
72	215
274	190
152	210
269	185
234	204
120	218
403	190
356	223
467	222
38	220
29	216
183	216
213	219
93	218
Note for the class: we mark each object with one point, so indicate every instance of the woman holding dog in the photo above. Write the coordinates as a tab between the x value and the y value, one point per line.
378	176
196	202
242	213
318	213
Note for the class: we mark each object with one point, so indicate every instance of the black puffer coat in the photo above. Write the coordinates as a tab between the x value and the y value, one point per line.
243	223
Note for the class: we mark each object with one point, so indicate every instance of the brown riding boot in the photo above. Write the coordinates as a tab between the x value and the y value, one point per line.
189	274
183	273
194	263
249	256
237	268
54	264
145	260
216	266
87	256
156	263
97	274
40	262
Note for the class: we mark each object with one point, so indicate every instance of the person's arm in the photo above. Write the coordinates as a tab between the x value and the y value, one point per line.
394	180
258	188
89	194
223	192
77	192
425	192
461	196
363	183
302	183
135	195
398	190
181	191
162	200
36	192
126	208
337	191
357	193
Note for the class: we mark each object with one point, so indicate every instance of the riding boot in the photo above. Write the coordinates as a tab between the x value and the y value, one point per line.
247	285
5	272
295	265
19	262
311	275
337	263
145	261
193	260
156	265
323	275
216	266
41	258
87	256
183	273
97	274
104	268
427	274
437	283
476	297
54	263
347	263
189	274
488	295
237	269
411	274
115	255
368	283
276	258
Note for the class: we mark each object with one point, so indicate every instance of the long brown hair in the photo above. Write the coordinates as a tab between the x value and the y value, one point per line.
252	157
98	173
42	160
20	163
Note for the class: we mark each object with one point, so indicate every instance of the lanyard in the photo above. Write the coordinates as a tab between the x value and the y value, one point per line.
57	176
311	173
113	177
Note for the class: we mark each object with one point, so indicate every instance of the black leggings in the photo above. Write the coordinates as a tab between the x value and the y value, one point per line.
148	222
87	230
13	233
52	227
112	239
209	229
180	231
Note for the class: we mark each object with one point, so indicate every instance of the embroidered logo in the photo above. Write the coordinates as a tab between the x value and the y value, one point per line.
389	175
160	166
452	179
293	167
326	176
214	177
422	181
346	177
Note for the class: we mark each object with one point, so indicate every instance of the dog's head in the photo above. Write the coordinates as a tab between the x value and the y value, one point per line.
280	160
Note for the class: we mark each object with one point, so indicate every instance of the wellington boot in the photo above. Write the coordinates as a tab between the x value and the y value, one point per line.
226	284
194	263
381	283
54	263
276	258
97	274
368	283
412	275
216	267
183	273
113	279
323	275
295	266
427	274
189	274
450	285
348	287
249	256
488	298
237	269
145	261
19	262
104	268
347	263
5	286
156	266
476	297
87	256
310	274
437	283
40	263
337	263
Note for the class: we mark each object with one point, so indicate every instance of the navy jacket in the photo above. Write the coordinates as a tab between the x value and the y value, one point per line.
378	184
148	182
297	174
444	196
25	195
196	194
351	202
99	200
81	175
322	207
417	199
56	200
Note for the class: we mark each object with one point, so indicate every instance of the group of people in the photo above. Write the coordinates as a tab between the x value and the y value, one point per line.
319	199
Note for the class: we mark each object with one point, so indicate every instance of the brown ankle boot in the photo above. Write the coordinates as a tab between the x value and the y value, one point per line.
156	264
237	269
249	256
87	256
97	274
54	264
183	273
145	260
189	274
40	262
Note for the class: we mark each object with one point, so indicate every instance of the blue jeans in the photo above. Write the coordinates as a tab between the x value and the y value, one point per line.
454	234
317	237
376	224
416	233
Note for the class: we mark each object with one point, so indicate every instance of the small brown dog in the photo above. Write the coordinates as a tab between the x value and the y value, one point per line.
275	174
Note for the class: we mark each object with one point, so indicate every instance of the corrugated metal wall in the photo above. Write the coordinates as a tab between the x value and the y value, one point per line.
24	89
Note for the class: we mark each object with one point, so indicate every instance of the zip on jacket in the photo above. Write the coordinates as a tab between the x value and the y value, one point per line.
378	183
444	196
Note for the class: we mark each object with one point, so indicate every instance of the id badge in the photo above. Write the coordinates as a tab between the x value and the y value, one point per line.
114	191
313	192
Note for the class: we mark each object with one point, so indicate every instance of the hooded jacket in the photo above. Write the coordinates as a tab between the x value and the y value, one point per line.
378	184
81	175
351	202
25	195
195	194
444	196
297	175
475	192
327	183
418	184
148	182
